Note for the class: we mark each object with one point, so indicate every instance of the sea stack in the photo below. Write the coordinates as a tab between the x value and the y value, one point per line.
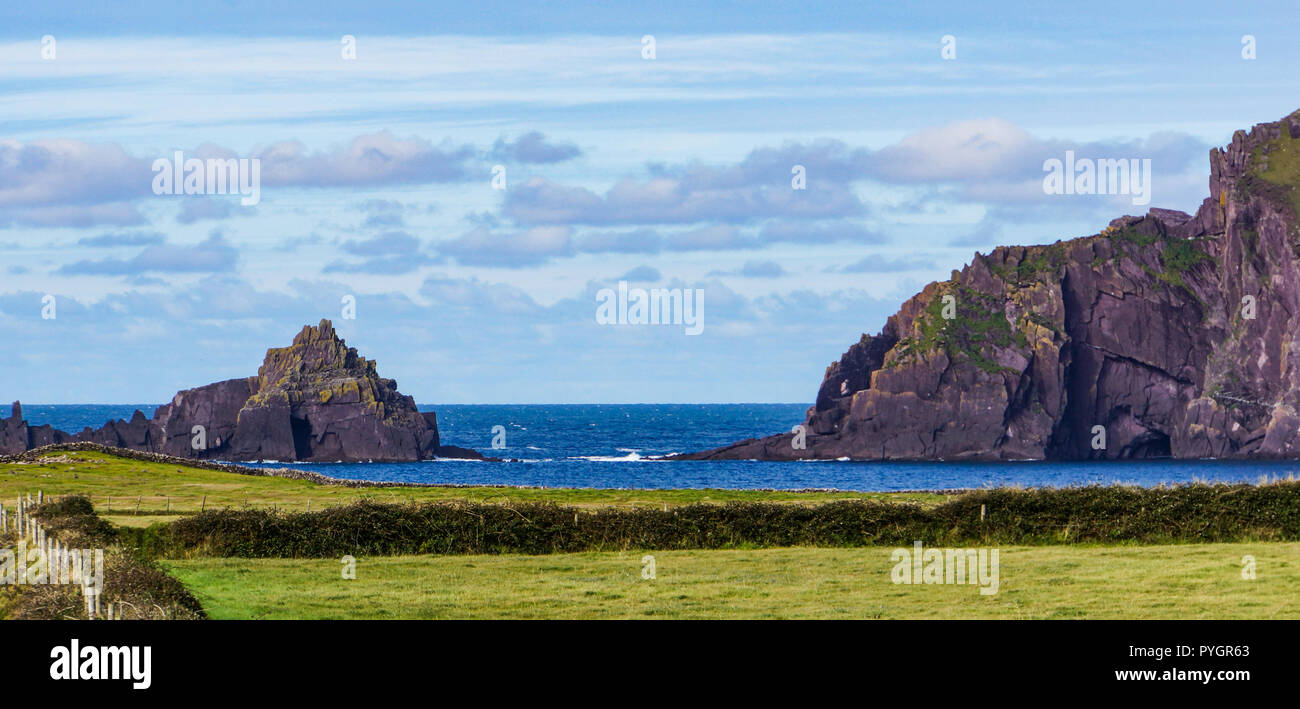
1166	334
315	400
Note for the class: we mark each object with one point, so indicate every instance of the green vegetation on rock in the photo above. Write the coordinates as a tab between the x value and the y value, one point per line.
1177	256
1038	260
979	323
1278	164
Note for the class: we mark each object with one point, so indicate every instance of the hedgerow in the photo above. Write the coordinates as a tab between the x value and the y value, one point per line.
1107	515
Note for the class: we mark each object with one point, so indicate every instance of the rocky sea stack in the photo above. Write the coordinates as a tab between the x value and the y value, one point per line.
1164	335
315	400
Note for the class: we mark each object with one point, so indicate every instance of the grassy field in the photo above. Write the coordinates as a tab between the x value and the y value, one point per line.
116	484
1168	581
1065	581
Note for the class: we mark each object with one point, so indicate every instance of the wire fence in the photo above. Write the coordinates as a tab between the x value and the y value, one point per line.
58	562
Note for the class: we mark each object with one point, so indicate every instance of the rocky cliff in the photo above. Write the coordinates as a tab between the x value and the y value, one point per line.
315	400
1164	335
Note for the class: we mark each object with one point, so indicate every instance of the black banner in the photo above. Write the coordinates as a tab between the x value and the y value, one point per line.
941	660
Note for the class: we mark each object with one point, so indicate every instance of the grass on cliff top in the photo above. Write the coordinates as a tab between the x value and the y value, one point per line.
1283	165
979	323
114	484
1200	581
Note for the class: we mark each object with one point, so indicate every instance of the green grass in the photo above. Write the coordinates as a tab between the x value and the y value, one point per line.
1075	581
114	485
979	323
1172	581
1283	166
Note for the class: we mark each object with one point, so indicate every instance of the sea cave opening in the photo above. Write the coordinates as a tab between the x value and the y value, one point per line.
1152	444
301	437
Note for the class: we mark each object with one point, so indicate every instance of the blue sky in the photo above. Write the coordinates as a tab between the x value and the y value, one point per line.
670	172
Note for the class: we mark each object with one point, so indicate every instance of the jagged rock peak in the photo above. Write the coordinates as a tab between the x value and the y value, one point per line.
314	350
319	366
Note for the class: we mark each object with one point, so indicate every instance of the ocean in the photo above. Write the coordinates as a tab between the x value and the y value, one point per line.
608	446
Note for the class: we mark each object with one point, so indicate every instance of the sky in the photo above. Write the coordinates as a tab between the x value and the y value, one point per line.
385	133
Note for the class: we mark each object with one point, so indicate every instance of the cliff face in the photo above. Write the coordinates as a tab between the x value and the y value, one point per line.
314	400
1164	335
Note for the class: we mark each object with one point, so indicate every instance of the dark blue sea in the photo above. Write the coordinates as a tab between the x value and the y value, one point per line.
607	446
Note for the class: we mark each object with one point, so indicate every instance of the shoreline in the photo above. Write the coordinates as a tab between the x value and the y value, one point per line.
37	454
